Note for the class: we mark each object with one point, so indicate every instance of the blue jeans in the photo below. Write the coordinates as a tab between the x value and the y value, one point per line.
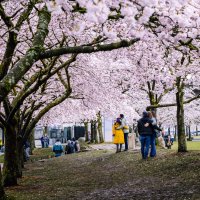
46	144
153	145
126	140
145	144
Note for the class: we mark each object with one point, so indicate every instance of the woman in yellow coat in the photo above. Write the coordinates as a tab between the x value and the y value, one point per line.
118	135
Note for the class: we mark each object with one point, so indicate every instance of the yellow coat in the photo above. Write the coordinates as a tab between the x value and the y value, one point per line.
118	135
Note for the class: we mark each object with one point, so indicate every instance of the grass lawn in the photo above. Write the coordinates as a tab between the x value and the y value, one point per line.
105	175
41	153
196	137
38	154
1	158
191	145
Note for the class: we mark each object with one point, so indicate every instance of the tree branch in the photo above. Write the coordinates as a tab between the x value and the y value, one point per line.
12	36
44	111
25	93
5	18
172	104
87	49
32	55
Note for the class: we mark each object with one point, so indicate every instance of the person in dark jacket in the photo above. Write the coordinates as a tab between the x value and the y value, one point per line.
146	130
42	141
152	116
70	147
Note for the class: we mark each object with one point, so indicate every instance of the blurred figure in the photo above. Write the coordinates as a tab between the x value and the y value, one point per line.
156	133
161	141
125	129
70	147
146	130
46	141
172	138
26	150
58	148
1	144
42	141
167	139
3	149
77	146
118	135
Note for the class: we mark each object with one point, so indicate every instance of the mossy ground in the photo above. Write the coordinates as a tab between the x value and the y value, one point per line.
99	175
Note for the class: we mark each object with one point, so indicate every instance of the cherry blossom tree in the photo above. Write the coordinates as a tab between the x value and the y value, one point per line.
29	33
36	32
35	95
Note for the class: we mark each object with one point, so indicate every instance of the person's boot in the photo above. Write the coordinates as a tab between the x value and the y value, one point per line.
117	151
120	149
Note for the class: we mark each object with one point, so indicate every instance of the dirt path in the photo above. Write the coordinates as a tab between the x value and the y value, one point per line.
110	146
104	175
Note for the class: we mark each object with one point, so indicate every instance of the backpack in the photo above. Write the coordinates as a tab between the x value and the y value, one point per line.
72	147
57	148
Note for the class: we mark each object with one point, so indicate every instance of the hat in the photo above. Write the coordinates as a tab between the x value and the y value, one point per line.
118	120
121	115
145	114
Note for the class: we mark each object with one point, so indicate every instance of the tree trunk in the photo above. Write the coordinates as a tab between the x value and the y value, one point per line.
135	130
196	130
189	132
45	131
186	130
175	132
99	127
92	131
94	136
20	162
86	131
10	161
95	133
182	146
169	131
31	140
2	193
20	158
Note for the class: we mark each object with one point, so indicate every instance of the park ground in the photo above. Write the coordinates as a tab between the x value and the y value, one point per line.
105	175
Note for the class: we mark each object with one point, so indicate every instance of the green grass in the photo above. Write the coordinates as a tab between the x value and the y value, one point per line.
41	153
191	145
196	137
38	154
1	158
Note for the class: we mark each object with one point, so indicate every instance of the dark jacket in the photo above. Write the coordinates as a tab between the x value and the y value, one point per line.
149	129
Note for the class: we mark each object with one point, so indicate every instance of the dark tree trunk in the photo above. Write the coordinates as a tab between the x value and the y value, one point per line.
92	131
10	161
189	132
95	133
196	130
99	127
175	132
186	130
20	158
31	140
94	136
2	193
86	131
169	131
182	146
